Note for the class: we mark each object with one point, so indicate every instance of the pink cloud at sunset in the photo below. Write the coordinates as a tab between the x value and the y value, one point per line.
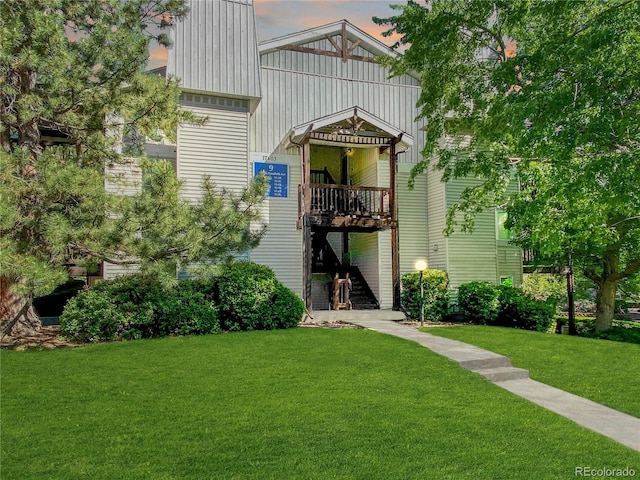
280	17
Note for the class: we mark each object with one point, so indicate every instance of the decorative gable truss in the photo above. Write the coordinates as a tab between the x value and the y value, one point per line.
340	39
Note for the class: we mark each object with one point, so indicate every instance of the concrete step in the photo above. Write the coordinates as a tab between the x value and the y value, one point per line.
503	374
491	360
352	316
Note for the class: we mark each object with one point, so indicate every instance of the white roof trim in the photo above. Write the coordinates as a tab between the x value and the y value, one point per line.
297	132
316	33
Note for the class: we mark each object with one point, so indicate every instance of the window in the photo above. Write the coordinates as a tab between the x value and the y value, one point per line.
503	232
508	281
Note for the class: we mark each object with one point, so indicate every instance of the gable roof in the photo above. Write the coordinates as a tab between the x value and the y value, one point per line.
351	126
353	33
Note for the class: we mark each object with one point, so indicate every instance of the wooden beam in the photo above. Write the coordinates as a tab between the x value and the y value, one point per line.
335	45
395	252
345	43
354	45
307	249
315	51
328	53
307	260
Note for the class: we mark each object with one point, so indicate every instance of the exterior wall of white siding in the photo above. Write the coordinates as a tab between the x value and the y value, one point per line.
364	251
510	263
472	256
437	243
218	149
215	49
412	220
333	66
291	98
281	248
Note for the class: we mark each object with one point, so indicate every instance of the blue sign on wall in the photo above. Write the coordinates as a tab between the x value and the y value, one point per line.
278	174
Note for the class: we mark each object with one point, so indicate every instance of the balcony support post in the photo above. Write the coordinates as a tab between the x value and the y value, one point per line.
395	256
307	249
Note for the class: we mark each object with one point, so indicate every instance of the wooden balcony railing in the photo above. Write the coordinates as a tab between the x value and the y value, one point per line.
349	200
345	205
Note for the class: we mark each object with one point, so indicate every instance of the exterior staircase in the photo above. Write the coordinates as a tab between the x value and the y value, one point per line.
326	261
361	296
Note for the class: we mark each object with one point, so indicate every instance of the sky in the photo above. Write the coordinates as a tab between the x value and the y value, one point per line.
280	17
275	18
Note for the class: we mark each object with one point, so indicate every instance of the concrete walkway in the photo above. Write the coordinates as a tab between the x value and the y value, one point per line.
616	425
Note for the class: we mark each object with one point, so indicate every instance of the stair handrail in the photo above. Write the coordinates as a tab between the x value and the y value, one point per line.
341	289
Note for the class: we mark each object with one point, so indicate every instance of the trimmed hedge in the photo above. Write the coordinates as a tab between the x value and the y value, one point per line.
436	294
134	307
249	297
504	306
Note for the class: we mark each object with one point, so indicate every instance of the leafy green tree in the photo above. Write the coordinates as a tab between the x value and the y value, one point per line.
548	91
72	80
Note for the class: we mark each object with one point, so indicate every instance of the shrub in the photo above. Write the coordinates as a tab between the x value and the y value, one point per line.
616	333
505	306
517	310
286	307
134	307
250	298
436	294
479	302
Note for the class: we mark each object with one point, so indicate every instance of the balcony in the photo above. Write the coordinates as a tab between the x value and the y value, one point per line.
346	206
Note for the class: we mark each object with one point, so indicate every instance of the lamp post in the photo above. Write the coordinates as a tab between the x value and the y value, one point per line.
421	266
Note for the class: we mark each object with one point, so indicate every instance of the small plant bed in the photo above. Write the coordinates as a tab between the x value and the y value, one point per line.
602	371
296	403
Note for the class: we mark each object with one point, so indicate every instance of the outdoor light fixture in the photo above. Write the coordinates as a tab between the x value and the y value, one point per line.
421	266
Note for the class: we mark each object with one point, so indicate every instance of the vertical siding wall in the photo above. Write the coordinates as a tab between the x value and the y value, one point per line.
218	148
363	248
215	49
333	66
281	248
291	98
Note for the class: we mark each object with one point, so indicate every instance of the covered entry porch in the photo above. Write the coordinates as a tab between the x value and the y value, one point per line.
347	208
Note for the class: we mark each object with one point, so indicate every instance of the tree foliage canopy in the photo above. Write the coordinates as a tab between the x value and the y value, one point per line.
73	85
550	91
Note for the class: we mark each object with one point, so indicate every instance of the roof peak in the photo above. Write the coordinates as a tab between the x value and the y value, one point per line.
322	31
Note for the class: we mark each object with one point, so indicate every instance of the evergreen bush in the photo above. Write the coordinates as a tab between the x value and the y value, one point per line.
436	294
134	307
249	297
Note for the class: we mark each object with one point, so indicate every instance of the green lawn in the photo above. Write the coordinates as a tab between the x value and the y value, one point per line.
302	403
601	370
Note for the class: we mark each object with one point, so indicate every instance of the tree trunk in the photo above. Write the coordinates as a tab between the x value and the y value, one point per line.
605	303
17	316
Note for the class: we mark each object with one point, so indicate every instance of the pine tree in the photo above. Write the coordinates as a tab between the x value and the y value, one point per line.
72	81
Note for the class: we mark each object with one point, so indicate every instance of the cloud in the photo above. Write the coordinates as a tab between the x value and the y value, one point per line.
280	17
